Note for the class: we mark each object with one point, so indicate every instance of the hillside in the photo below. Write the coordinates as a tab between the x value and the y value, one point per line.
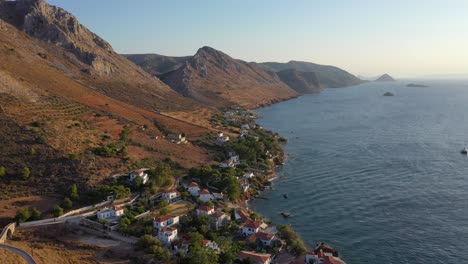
301	82
157	64
214	78
328	76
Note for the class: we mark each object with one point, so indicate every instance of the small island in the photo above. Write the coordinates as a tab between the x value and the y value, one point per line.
388	94
415	85
385	78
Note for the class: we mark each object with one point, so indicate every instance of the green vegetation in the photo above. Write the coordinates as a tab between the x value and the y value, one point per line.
74	192
33	151
26	173
2	171
150	244
22	215
57	211
293	240
67	203
35	214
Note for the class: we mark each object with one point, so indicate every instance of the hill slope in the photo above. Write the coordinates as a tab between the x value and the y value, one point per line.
157	64
214	78
328	76
301	82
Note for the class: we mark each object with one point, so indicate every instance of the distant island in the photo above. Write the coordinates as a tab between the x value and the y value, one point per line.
388	94
385	78
415	85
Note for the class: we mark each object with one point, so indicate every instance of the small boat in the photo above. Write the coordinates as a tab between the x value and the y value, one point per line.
285	214
285	196
464	151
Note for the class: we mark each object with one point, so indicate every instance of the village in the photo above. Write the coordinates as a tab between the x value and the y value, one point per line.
199	216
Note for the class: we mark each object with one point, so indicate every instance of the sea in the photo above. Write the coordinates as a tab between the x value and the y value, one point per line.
380	178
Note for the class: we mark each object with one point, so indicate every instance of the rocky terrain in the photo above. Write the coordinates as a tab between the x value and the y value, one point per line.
385	78
214	78
301	82
157	64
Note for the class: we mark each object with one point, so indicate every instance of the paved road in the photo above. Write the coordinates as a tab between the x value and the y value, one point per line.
20	252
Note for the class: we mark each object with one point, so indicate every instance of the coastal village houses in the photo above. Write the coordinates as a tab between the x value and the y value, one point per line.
139	173
193	189
171	195
256	258
218	219
177	138
206	196
108	213
164	221
322	257
167	235
220	137
205	210
265	238
251	227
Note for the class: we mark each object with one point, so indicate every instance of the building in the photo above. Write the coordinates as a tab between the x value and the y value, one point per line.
265	238
139	173
256	258
205	210
210	244
164	221
251	227
241	214
167	235
218	219
171	195
248	175
193	189
205	196
108	213
221	138
244	185
176	138
322	257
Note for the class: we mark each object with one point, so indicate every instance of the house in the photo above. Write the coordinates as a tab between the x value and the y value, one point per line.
218	196
167	235
251	227
218	219
205	210
139	173
221	138
108	213
231	162
241	214
244	185
322	257
171	195
245	126
210	244
205	196
256	258
265	238
248	175
193	189
164	221
176	138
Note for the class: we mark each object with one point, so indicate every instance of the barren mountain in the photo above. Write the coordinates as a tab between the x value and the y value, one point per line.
301	82
214	78
385	78
328	76
157	64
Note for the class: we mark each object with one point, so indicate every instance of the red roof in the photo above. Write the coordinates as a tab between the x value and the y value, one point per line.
205	242
252	224
168	228
204	191
242	214
256	257
172	190
193	184
205	208
327	259
164	218
260	235
218	214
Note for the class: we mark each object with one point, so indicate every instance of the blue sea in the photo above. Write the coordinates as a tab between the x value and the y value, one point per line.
380	178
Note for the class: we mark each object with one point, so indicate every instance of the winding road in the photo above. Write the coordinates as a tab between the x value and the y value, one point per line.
20	252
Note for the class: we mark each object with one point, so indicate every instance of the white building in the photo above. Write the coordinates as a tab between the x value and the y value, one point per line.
167	235
251	227
257	258
244	185
164	221
205	196
108	213
193	189
210	244
218	219
176	138
221	138
205	210
139	173
248	175
322	258
265	238
171	195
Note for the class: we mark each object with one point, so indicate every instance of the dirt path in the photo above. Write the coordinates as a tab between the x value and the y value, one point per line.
20	252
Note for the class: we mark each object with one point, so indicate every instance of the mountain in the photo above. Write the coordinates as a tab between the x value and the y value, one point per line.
301	82
157	64
328	76
83	56
385	78
214	78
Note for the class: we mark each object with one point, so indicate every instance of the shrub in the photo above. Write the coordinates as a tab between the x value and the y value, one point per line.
35	214
2	171
67	203
22	215
26	173
57	211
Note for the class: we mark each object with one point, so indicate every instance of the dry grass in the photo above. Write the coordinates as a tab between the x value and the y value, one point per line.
9	257
180	208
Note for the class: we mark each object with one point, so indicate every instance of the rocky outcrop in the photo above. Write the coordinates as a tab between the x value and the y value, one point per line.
385	78
301	82
214	78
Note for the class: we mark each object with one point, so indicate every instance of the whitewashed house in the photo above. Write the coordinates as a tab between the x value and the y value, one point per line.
108	213
248	175
171	195
218	219
167	235
139	173
205	196
210	244
265	238
244	185
164	221
205	210
251	227
176	138
221	138
193	189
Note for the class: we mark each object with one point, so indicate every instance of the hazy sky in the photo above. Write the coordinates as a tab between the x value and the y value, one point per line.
401	37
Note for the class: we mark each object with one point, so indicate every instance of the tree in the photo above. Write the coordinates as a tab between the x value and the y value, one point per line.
2	172
74	192
26	173
35	214
146	243
57	210
22	215
33	151
67	203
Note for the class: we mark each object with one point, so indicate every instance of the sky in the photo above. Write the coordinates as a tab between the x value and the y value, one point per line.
405	38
